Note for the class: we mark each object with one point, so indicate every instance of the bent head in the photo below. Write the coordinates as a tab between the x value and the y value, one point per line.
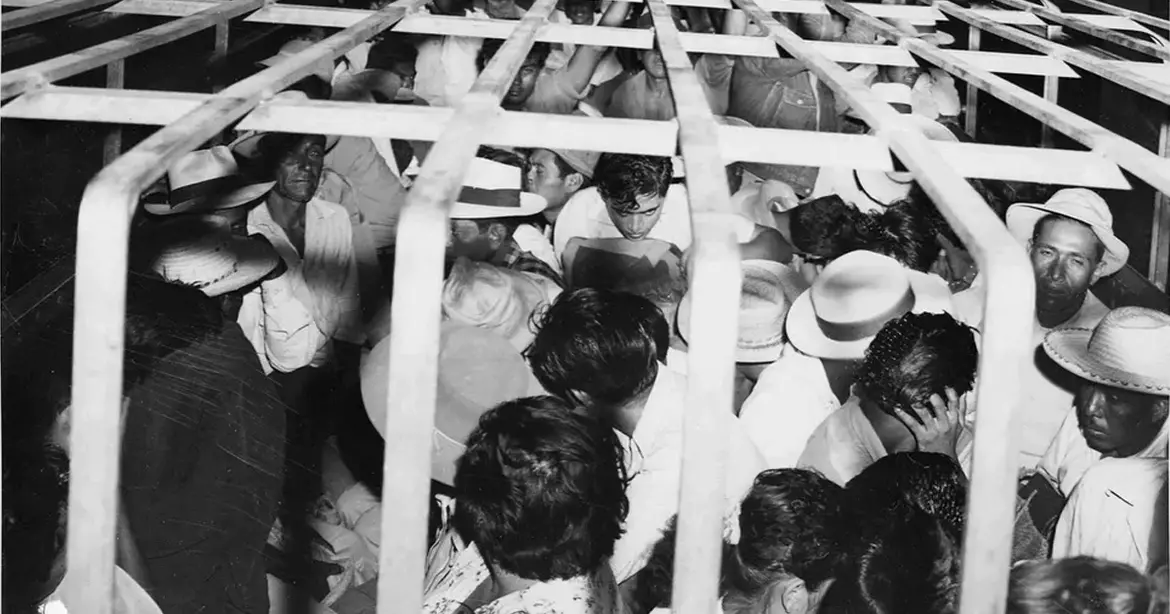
634	191
1117	422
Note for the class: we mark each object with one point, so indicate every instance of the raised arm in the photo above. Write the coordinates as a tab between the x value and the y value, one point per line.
585	58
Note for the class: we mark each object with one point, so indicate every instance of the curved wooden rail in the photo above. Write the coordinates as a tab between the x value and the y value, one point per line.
104	217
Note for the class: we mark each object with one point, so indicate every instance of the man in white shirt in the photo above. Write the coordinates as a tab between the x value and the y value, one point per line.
1071	244
603	351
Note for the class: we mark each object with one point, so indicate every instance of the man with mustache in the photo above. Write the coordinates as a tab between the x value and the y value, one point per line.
1071	244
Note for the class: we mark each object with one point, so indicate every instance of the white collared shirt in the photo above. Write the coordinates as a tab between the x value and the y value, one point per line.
292	320
653	461
445	68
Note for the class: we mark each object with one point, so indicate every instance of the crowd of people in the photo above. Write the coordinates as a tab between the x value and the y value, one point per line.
258	336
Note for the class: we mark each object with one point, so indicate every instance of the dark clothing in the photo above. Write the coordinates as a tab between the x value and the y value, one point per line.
202	466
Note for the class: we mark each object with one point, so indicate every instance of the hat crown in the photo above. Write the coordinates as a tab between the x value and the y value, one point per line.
859	286
480	294
1082	204
488	174
764	302
202	165
1133	340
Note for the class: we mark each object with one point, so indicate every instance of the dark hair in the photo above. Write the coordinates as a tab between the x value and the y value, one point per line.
541	490
915	356
537	55
162	318
792	523
599	342
1052	217
910	565
503	156
620	178
36	489
933	483
824	227
903	231
1081	585
392	49
314	87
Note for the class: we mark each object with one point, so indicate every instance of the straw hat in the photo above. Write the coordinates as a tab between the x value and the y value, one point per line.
210	259
478	370
1129	349
767	292
851	300
247	144
888	187
493	190
207	180
323	69
498	299
1082	205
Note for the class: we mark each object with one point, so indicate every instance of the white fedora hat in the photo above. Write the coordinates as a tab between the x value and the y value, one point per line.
207	180
492	190
478	370
210	259
851	300
1082	205
766	295
1129	349
498	299
890	186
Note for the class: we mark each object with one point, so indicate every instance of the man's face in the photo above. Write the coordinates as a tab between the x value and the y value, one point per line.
637	222
468	240
1064	257
299	172
652	61
580	13
524	83
1116	422
544	178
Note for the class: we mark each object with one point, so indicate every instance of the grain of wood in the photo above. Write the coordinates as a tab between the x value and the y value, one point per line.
1084	26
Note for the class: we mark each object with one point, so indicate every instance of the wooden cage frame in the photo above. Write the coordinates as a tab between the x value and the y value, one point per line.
189	120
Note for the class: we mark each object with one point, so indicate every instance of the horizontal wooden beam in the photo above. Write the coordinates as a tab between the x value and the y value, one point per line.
46	11
1144	18
1125	74
1088	25
23	79
518	129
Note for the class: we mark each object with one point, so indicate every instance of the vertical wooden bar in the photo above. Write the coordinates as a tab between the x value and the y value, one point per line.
971	125
1160	231
222	30
115	79
1051	94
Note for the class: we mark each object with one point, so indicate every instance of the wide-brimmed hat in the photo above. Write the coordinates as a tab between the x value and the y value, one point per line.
500	300
247	144
207	180
851	300
1082	205
766	295
1129	349
323	69
478	370
492	190
209	258
890	186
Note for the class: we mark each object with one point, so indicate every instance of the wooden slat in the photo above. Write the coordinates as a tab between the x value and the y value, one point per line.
49	10
1014	18
1160	229
1144	18
716	277
1119	73
414	333
1109	22
519	129
104	216
21	80
991	499
1148	166
1088	27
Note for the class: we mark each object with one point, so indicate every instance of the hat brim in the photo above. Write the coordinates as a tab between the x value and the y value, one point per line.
255	261
530	204
1069	348
235	198
804	333
1023	217
247	145
879	185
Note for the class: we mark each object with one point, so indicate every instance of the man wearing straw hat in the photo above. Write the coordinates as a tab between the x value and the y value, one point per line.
1072	246
1110	454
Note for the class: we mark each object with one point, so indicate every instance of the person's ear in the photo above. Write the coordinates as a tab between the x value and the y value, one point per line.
574	182
1098	272
497	234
